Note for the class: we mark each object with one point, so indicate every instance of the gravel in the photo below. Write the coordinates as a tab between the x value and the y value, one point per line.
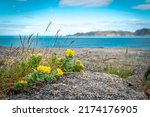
88	86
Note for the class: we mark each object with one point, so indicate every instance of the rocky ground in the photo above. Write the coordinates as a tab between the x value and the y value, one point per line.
94	84
90	86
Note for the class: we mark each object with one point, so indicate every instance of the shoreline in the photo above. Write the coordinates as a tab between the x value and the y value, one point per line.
147	49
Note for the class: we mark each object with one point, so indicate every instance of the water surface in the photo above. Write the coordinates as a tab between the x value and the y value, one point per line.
80	42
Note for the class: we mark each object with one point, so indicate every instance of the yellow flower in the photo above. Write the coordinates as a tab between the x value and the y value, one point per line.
78	61
70	53
59	72
81	65
59	59
44	69
31	55
22	82
39	55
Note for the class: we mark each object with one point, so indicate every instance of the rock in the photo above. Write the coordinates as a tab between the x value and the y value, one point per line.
89	86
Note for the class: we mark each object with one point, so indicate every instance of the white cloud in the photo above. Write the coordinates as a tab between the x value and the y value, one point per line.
145	6
86	3
70	26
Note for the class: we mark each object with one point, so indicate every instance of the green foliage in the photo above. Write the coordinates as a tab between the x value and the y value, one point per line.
9	71
38	76
20	85
78	67
34	60
24	68
53	61
34	77
148	77
66	63
10	74
57	67
121	71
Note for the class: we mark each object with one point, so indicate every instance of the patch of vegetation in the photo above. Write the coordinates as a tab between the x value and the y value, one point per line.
148	77
9	74
121	70
18	76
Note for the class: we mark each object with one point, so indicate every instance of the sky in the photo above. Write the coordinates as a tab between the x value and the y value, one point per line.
71	16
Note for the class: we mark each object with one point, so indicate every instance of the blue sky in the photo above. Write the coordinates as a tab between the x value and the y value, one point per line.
71	16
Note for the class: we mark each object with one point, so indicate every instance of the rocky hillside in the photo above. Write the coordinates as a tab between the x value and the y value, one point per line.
140	32
105	33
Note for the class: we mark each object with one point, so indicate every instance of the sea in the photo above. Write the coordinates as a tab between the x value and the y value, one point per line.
141	42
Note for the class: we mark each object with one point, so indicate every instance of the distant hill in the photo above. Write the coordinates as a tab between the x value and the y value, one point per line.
141	32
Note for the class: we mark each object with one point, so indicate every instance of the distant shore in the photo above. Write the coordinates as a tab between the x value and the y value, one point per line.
140	32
